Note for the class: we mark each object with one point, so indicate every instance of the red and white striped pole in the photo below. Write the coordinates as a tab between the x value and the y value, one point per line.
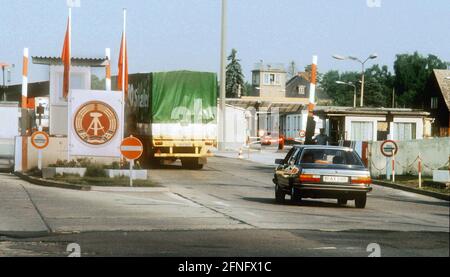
310	108
24	106
25	79
419	170
108	69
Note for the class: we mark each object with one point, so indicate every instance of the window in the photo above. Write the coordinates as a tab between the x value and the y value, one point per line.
330	157
301	90
271	79
256	78
434	103
362	131
404	131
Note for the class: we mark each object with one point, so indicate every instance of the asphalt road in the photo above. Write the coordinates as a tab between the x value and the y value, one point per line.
227	209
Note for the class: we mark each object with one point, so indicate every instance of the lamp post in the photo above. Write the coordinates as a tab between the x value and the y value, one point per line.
354	90
371	57
221	125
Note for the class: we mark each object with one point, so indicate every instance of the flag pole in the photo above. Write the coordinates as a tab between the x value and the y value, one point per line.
68	86
124	51
108	69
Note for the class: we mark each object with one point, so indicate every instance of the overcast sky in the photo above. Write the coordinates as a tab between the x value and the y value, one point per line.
185	34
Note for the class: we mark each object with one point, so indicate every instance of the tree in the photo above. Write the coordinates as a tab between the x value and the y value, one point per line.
97	83
377	88
234	76
341	95
248	89
411	75
291	70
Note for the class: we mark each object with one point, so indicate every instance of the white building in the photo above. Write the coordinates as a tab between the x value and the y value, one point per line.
374	124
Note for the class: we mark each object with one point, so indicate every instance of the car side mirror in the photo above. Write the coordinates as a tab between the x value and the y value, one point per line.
279	161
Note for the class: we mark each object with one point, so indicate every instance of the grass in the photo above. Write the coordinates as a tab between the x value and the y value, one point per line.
104	181
427	183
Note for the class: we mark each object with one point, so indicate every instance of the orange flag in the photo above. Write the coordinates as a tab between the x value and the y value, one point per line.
123	70
65	57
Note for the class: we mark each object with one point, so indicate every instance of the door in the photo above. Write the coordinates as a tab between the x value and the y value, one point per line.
286	170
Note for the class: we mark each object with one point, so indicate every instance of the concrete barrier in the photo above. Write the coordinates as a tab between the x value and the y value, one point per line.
434	152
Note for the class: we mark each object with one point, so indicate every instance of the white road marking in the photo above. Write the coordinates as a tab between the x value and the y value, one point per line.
324	248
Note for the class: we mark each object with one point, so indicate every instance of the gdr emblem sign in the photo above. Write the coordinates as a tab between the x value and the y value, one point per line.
95	122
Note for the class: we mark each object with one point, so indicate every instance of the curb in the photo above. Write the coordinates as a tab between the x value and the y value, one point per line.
48	183
129	189
437	195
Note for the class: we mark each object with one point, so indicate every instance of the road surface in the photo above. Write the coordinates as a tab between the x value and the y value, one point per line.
226	209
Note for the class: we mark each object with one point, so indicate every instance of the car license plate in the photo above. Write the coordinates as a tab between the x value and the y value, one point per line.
335	179
184	144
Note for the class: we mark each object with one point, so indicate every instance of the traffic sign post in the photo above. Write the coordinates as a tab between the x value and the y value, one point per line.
131	148
389	149
40	141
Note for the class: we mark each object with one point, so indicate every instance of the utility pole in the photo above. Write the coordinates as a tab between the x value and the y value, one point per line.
222	116
393	97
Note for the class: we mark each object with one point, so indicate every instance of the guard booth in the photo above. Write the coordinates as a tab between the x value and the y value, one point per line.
47	106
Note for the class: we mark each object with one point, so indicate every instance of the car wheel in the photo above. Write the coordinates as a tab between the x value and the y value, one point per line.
279	194
342	201
295	196
360	201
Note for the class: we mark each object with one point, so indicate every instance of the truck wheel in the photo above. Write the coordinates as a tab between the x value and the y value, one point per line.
360	201
191	163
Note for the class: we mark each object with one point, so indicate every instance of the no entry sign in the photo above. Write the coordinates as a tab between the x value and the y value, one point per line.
302	133
389	148
39	140
131	148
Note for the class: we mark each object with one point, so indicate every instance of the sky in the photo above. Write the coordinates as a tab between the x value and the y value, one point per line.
185	34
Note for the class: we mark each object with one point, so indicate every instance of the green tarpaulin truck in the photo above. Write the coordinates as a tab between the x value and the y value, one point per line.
174	114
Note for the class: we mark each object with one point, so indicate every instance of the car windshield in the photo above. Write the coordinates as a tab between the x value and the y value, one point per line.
331	157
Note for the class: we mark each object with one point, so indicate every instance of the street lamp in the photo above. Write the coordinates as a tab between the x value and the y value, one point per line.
371	57
354	90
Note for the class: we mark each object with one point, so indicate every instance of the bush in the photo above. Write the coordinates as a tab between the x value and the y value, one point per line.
78	163
95	170
35	172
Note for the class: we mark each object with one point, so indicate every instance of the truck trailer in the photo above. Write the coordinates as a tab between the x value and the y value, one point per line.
174	115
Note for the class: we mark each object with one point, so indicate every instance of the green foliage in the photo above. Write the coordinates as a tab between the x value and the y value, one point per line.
234	76
77	163
95	170
341	95
411	75
97	83
35	172
248	89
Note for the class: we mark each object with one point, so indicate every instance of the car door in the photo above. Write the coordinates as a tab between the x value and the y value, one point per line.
279	171
286	172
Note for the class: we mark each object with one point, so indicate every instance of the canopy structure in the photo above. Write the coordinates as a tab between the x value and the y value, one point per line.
91	62
284	104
